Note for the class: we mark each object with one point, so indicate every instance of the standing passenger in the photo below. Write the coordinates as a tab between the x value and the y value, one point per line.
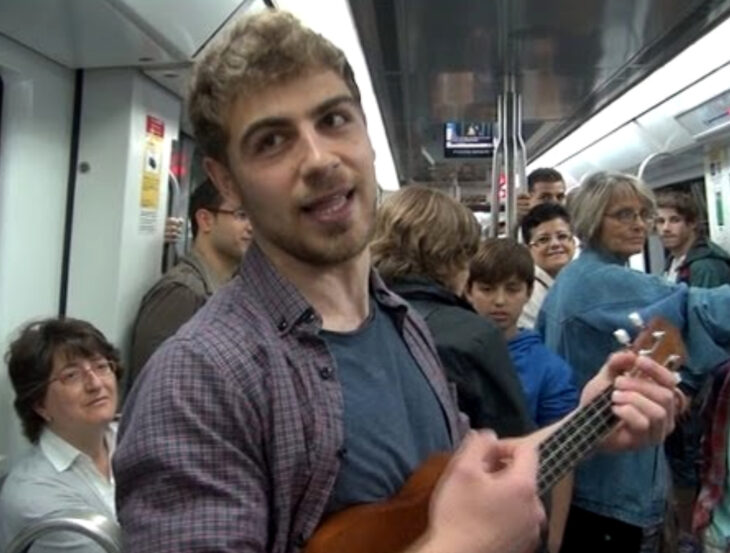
620	500
501	277
305	383
221	235
693	258
422	246
64	374
696	261
544	185
546	230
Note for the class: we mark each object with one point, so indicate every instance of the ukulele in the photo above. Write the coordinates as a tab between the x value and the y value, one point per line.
390	526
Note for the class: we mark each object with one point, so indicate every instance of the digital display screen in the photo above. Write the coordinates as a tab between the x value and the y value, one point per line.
708	117
468	139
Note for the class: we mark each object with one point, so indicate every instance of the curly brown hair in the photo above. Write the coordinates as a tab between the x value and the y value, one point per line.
270	47
423	232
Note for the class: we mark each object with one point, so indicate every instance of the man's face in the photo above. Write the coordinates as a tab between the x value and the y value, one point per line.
230	231
301	162
673	229
547	192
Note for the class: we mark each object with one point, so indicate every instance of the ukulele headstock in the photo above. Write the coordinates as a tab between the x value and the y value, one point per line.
659	339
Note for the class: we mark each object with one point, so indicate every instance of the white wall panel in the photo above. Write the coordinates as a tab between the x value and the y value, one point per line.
34	157
113	261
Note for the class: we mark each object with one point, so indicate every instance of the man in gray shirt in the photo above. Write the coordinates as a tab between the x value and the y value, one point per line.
221	235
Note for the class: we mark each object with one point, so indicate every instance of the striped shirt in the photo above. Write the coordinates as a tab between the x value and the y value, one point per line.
230	441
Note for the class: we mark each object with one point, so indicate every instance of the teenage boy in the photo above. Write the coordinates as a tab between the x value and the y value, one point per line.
501	277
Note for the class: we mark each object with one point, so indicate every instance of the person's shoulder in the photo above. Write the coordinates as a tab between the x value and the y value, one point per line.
463	324
230	337
466	333
179	284
33	484
187	273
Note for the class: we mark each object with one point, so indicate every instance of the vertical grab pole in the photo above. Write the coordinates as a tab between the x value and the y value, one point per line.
496	166
520	158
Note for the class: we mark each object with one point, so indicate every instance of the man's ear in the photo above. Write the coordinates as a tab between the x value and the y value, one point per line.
204	218
222	179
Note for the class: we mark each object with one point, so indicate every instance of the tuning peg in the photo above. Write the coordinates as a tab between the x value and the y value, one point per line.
622	337
636	320
673	362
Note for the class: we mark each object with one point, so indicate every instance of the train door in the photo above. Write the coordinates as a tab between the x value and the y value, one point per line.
35	132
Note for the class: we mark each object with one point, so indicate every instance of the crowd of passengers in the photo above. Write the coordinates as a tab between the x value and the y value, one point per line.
312	351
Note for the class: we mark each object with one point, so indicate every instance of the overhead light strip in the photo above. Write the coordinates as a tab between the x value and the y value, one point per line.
692	64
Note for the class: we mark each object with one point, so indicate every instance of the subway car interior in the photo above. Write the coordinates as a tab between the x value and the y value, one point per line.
97	151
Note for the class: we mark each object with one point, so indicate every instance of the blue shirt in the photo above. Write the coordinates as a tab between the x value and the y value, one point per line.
393	420
547	379
592	297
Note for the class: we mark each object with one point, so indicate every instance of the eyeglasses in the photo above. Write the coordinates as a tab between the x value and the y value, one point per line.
628	216
545	239
239	214
74	375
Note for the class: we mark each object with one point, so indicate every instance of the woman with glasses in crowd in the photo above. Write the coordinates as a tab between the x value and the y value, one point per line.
64	373
546	230
619	500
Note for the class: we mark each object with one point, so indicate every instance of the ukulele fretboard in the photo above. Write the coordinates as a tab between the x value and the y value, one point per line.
562	451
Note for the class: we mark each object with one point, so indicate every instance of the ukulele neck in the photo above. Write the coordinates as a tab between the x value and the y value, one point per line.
576	438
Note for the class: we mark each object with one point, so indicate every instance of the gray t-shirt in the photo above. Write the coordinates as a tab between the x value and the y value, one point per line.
393	420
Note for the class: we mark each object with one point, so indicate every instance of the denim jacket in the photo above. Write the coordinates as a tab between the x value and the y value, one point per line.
591	298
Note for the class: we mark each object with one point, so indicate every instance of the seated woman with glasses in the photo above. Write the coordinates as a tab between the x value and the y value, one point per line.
64	373
619	500
546	230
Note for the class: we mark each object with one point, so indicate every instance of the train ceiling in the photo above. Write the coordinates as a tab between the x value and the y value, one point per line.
433	61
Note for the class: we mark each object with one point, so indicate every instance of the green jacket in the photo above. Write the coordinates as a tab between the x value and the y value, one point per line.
706	265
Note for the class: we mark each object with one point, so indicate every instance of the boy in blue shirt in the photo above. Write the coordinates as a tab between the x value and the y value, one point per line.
501	277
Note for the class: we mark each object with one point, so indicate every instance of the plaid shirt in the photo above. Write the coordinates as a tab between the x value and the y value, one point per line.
230	441
716	413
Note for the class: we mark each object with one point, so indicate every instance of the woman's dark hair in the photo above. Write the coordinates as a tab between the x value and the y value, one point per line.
542	213
30	362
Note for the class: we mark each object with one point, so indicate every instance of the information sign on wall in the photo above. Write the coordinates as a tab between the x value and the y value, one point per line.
151	173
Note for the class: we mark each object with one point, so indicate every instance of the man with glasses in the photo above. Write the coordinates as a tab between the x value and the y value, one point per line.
221	234
546	230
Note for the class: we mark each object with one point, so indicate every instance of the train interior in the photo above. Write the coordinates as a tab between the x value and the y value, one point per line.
95	149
